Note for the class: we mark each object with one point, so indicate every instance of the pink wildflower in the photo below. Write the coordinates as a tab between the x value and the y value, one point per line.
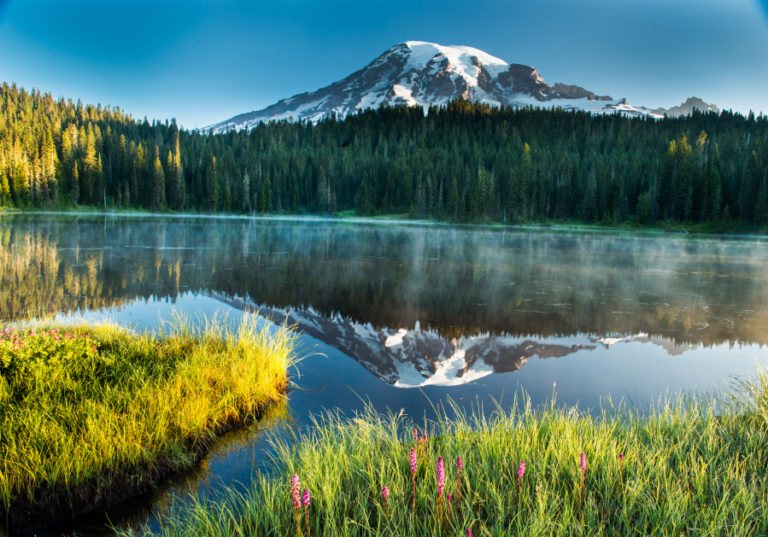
295	494
459	467
413	477
520	474
583	463
440	477
440	486
305	502
385	495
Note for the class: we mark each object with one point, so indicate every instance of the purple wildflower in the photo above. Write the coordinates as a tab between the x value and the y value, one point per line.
583	468
440	477
469	532
459	467
384	493
295	491
440	486
520	471
413	477
305	501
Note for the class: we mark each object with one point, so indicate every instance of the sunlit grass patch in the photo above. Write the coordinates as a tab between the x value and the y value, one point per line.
685	469
93	413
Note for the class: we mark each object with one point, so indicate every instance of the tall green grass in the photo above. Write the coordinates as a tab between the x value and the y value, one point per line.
688	470
90	414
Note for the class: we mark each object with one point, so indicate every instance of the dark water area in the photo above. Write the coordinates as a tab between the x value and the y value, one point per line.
405	316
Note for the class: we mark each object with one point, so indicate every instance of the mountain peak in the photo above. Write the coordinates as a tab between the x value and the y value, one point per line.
420	73
456	54
687	108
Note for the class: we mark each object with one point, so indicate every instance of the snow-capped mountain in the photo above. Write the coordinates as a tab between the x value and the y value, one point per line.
424	74
690	104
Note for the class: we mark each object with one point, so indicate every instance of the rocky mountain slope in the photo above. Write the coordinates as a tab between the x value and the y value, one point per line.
424	74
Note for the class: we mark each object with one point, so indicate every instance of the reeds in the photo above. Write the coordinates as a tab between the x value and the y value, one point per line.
87	412
701	473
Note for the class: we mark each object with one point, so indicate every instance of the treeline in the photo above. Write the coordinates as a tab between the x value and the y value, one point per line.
462	162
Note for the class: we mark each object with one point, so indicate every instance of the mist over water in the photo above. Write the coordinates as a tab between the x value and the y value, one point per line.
406	317
457	282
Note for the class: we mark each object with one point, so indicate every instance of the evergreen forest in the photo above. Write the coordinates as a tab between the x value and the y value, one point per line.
461	162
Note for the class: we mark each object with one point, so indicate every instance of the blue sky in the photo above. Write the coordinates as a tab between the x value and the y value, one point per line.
202	61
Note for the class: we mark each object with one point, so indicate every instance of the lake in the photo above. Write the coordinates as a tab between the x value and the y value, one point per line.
408	316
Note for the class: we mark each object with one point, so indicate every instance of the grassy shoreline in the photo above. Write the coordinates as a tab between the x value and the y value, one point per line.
91	415
683	470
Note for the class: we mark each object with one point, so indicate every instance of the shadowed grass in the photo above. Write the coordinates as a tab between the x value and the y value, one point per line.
687	471
92	414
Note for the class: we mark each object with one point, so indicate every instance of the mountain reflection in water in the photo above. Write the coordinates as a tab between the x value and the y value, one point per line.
457	282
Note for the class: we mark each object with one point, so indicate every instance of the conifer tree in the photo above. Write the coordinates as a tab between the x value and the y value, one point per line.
157	183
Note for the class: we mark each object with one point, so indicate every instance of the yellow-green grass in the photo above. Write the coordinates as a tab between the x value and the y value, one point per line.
689	469
90	414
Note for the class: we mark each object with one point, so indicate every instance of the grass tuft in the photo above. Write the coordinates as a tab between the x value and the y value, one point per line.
686	470
91	414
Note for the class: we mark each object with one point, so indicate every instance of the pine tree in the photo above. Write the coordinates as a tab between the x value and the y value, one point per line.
158	183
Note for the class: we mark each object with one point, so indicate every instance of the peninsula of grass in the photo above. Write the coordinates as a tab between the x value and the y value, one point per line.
92	414
685	469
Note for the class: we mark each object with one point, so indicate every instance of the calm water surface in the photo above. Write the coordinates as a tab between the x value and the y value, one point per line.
407	316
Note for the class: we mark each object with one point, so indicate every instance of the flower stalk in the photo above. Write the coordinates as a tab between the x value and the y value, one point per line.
440	487
385	495
296	497
305	501
459	467
414	466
